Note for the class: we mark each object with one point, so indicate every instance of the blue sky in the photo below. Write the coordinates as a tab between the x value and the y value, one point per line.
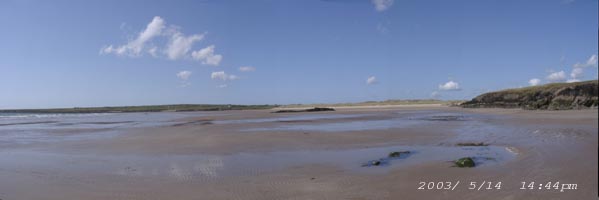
110	53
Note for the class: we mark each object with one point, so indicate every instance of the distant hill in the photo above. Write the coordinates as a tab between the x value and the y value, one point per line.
554	96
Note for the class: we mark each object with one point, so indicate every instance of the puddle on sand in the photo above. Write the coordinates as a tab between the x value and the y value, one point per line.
207	167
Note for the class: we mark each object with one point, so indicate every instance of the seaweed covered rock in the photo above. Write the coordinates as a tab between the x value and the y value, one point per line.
465	162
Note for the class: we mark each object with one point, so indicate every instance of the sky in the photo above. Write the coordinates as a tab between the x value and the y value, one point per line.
113	53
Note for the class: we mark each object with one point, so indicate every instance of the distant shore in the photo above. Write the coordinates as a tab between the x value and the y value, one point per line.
223	107
368	106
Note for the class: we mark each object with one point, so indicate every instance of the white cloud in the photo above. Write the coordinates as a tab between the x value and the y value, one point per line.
371	80
247	69
176	44
207	56
556	77
222	76
572	80
179	44
382	5
450	86
534	81
435	94
184	75
222	86
135	47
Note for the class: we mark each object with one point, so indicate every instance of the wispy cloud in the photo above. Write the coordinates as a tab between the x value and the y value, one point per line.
575	75
247	69
450	86
382	5
221	75
371	80
435	94
592	61
382	28
577	72
184	77
207	56
534	82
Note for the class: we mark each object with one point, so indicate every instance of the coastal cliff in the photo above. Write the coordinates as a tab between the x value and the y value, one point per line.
554	96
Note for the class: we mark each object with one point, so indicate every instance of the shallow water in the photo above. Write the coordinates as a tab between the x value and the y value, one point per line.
25	128
399	120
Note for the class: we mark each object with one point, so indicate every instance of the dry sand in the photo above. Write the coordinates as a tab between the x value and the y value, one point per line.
266	157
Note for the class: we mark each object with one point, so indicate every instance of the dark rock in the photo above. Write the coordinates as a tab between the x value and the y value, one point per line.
373	163
315	109
397	154
472	144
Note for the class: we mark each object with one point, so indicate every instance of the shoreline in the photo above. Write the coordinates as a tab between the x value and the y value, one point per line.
317	155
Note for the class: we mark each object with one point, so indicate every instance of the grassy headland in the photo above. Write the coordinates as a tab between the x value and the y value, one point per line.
553	96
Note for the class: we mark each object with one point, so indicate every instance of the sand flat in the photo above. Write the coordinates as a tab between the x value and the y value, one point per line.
263	155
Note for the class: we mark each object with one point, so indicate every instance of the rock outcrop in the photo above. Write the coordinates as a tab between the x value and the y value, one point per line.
554	96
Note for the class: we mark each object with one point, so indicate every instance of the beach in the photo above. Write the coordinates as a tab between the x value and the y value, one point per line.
257	154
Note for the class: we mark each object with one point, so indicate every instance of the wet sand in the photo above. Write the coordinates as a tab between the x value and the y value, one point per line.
263	155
